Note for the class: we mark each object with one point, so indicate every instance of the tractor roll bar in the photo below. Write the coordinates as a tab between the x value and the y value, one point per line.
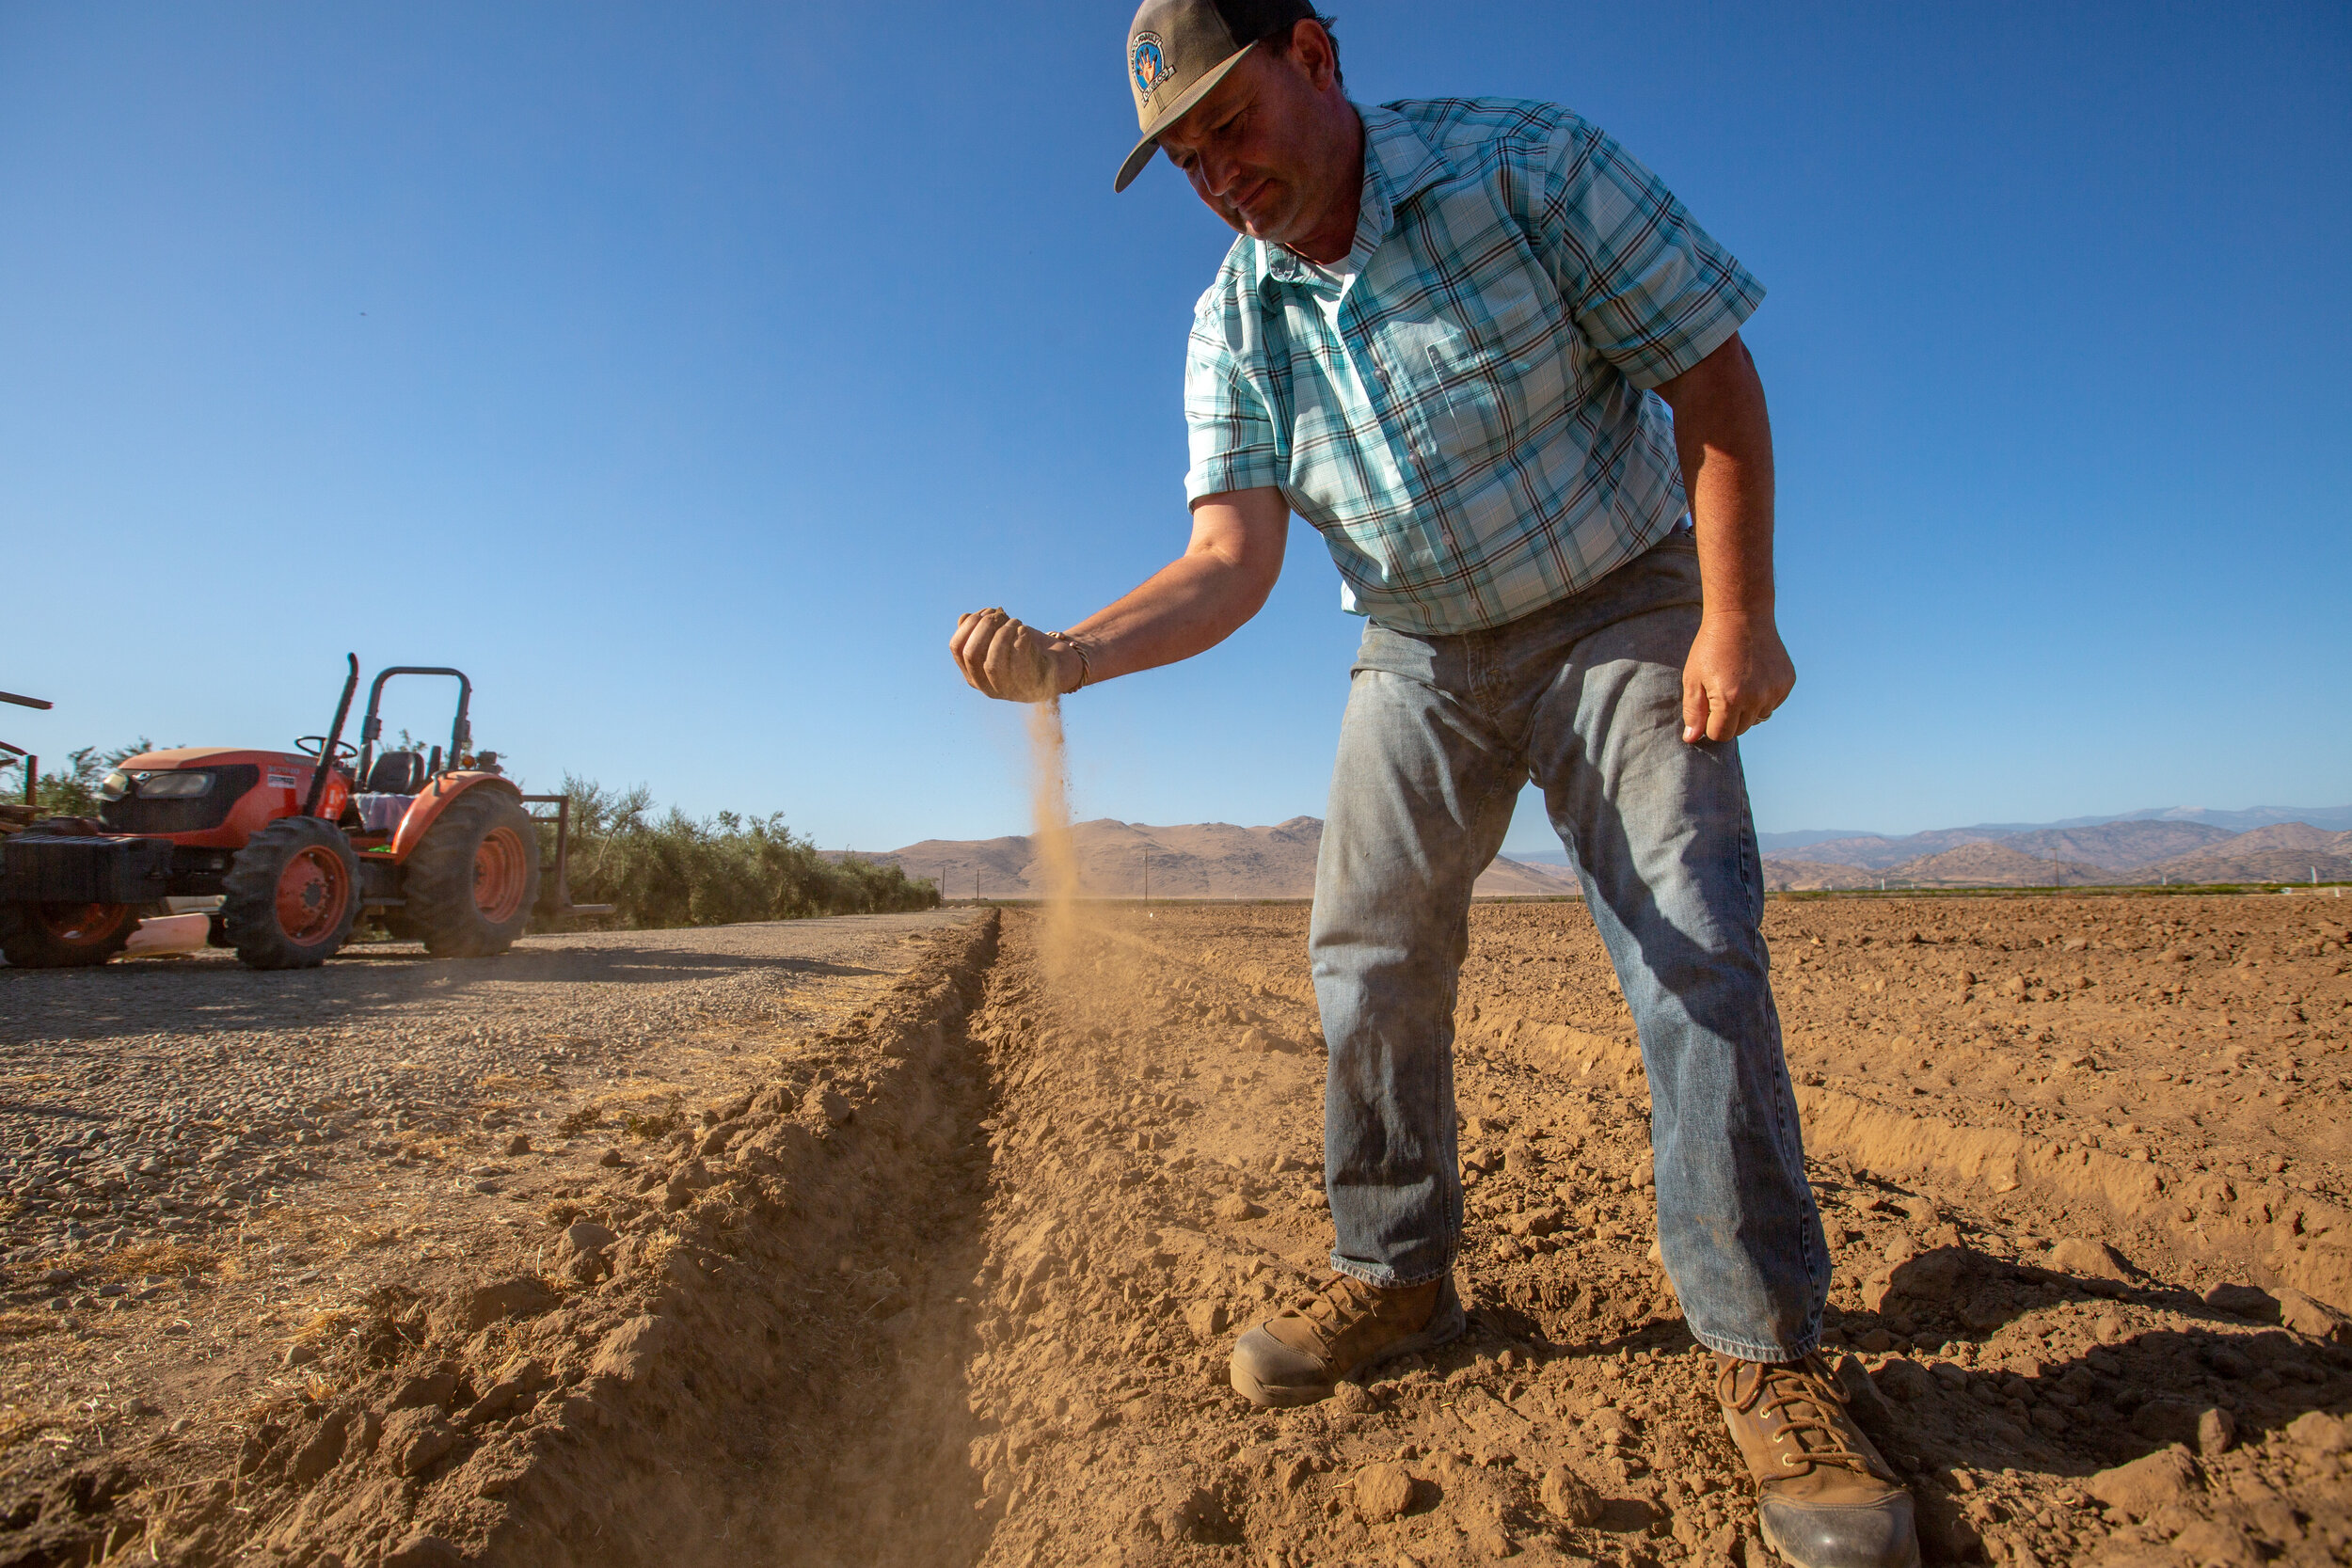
330	740
371	727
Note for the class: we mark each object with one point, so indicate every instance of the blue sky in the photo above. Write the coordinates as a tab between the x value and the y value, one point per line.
680	371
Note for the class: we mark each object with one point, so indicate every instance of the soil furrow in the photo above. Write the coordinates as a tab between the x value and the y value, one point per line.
740	1349
2047	1397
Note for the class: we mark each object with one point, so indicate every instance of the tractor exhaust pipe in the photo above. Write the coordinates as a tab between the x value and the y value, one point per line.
334	739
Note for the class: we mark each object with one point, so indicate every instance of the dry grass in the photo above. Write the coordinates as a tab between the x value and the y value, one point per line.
18	1427
140	1257
327	1323
659	1125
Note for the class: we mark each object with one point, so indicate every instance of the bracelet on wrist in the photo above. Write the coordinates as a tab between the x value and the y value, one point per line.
1086	663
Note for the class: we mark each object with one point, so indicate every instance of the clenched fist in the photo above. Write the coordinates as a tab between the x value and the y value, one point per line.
1002	658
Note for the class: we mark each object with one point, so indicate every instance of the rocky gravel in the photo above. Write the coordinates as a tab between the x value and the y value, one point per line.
202	1165
178	1098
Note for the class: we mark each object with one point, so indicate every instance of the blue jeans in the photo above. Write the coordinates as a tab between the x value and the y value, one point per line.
1440	734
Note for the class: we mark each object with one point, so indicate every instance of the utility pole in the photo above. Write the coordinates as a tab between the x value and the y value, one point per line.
1147	875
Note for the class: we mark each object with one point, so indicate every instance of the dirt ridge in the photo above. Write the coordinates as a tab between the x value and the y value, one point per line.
2284	1238
718	1320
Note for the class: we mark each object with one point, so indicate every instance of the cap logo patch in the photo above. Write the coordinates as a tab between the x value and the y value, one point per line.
1147	57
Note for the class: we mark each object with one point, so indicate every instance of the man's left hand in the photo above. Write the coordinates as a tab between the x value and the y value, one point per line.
1737	675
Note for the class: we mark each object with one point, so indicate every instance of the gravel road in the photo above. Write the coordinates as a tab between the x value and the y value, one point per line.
173	1096
199	1159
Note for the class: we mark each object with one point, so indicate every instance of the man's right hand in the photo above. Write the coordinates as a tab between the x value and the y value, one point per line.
1002	658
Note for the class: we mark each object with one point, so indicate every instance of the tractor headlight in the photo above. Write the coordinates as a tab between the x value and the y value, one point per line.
174	786
115	785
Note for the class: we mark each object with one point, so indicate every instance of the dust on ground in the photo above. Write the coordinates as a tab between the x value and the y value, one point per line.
954	1280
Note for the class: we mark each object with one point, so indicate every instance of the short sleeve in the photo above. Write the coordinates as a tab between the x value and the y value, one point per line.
1651	291
1233	442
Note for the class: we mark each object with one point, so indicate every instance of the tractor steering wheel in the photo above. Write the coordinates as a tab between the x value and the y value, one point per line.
310	744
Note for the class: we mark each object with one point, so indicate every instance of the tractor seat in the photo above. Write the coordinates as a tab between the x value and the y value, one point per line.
396	773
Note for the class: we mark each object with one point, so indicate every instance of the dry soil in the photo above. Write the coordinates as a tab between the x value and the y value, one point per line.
945	1270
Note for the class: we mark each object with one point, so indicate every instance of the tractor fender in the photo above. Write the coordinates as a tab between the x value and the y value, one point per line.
432	800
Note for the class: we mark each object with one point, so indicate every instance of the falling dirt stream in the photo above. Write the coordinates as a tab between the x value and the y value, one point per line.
1049	796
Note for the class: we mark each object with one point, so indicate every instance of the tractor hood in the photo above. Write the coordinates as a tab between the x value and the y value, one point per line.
209	756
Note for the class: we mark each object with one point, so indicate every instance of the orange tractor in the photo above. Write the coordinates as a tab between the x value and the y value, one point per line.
297	845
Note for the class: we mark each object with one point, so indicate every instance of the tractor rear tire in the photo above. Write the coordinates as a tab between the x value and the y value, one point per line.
65	936
473	881
291	895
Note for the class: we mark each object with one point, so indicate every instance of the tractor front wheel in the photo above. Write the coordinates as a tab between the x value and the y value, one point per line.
471	884
291	895
63	935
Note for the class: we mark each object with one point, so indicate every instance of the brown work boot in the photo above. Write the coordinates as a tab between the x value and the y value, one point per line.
1343	1326
1824	1497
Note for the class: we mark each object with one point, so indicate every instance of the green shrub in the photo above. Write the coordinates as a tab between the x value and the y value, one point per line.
678	870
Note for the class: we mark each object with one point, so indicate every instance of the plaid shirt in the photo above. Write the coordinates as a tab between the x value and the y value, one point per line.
1459	405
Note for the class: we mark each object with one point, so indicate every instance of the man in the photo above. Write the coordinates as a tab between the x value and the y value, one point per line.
1492	359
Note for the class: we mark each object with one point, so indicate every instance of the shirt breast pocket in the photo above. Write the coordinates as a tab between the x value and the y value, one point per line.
1476	385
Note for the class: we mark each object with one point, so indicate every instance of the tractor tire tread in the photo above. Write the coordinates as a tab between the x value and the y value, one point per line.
439	887
249	908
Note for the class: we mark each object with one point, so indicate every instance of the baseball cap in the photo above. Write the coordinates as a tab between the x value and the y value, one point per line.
1178	50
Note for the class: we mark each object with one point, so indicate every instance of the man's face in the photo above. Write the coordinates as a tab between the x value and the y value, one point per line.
1260	148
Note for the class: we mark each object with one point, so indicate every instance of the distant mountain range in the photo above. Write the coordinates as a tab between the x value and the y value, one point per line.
1217	859
1200	860
2336	818
2116	852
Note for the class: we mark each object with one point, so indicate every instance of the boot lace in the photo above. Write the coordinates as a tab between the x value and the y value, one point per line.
1342	1303
1812	1414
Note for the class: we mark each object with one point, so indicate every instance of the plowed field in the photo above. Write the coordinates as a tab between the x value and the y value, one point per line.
952	1278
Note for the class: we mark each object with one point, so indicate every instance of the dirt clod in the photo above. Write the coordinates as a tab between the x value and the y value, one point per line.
2316	1432
1569	1497
2147	1483
1383	1491
424	1551
521	1296
1206	1318
2086	1259
413	1440
2241	1300
2309	1315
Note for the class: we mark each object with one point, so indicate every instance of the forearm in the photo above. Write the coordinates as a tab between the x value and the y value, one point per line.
1723	436
1738	673
1187	607
1201	597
